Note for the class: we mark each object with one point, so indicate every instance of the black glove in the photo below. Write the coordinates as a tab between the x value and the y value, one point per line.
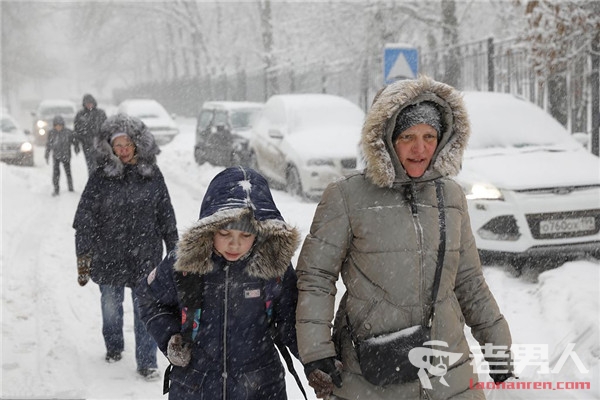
500	377
500	369
323	374
83	269
179	352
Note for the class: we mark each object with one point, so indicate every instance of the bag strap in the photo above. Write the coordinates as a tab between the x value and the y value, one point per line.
286	356
441	248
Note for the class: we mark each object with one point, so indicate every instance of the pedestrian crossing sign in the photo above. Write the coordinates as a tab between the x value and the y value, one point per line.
399	62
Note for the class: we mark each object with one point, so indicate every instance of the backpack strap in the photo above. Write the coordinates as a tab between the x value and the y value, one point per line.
273	294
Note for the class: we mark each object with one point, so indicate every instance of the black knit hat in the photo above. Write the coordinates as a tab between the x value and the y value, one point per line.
425	112
243	224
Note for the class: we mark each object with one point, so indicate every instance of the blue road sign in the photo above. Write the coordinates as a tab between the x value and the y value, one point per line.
399	62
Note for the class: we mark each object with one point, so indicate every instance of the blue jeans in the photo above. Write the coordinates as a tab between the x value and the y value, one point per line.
112	327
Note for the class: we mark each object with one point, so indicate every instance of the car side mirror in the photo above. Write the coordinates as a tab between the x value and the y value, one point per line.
27	132
275	134
583	138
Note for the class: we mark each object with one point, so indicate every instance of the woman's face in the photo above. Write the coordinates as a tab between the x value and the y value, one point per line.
233	244
415	147
124	149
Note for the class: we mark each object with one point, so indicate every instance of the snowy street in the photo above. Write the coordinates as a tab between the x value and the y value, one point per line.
52	345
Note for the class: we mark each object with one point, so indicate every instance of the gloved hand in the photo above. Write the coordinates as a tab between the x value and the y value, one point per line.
500	377
179	353
500	369
83	269
323	374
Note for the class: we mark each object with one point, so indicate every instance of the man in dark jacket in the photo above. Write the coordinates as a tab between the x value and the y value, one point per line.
60	140
124	216
87	124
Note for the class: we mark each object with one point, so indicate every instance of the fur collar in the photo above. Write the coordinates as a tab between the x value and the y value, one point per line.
382	165
276	244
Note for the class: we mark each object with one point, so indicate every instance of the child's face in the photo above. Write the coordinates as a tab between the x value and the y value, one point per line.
233	244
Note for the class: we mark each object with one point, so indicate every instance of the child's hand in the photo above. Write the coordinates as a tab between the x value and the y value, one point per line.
178	352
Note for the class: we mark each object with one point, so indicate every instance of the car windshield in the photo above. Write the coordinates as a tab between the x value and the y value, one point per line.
243	118
8	126
57	111
505	121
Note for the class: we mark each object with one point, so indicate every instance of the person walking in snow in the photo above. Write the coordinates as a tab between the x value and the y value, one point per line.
60	140
219	304
388	230
87	125
123	217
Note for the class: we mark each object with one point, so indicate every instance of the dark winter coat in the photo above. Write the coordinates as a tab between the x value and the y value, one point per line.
380	230
88	123
59	144
233	348
125	212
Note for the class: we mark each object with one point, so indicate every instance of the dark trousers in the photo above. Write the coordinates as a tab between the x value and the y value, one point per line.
111	299
56	174
90	154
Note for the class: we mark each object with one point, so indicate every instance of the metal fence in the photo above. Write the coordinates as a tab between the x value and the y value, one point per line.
504	66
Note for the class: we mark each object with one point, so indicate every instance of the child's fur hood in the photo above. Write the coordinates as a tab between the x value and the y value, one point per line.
146	148
234	193
382	165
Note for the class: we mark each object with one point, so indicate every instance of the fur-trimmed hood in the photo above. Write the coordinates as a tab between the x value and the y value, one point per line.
145	146
382	165
233	193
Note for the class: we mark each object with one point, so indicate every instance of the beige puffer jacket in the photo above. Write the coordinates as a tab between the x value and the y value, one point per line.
380	230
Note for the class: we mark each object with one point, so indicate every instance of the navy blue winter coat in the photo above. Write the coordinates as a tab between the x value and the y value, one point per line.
125	212
233	354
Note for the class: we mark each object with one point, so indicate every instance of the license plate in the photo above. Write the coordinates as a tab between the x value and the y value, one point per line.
565	225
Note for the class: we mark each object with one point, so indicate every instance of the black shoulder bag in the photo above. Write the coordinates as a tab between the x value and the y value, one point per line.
384	359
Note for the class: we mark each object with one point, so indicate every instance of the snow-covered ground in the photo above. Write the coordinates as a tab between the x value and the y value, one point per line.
52	344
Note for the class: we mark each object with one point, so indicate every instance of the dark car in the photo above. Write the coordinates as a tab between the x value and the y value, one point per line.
15	145
45	113
223	131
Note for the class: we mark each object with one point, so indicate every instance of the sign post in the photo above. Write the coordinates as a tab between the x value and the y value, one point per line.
400	61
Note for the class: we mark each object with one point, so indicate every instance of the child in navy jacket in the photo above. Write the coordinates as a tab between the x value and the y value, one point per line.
216	303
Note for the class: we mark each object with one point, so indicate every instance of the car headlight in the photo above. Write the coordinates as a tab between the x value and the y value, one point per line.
26	147
483	191
41	124
319	162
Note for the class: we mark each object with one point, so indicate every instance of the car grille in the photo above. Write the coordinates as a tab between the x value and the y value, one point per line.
349	163
564	224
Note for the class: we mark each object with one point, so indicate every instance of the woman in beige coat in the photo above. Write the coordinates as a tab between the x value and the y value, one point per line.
381	229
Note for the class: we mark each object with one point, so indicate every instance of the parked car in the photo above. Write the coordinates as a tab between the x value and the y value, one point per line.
16	146
154	115
533	191
45	113
223	131
305	141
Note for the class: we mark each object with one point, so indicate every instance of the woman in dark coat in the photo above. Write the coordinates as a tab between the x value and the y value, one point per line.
124	216
232	303
60	140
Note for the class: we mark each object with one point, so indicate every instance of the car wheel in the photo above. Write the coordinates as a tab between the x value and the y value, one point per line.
253	161
198	156
294	184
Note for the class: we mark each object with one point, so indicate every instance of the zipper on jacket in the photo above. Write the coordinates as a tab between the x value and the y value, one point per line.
225	305
411	195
